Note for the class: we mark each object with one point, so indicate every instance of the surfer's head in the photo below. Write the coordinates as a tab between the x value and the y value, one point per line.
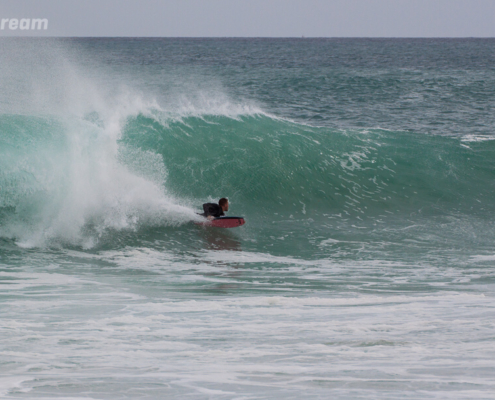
224	204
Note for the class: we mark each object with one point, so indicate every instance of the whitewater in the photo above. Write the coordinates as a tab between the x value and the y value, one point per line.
365	170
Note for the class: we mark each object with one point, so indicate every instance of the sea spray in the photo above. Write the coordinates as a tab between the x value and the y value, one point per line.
65	177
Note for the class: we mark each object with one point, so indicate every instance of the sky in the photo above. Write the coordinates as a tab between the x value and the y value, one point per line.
252	18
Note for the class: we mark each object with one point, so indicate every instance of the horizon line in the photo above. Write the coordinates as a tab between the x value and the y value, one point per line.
245	37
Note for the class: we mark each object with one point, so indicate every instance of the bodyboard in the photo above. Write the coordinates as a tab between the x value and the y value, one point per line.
223	222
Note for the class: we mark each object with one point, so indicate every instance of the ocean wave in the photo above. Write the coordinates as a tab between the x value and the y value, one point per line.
74	178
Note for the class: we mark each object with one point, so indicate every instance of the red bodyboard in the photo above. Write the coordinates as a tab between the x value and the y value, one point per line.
223	222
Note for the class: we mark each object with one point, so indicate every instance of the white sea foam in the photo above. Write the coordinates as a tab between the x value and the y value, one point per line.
239	345
476	138
490	257
119	315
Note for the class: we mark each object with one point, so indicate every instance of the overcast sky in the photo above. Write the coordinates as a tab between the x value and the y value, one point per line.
254	18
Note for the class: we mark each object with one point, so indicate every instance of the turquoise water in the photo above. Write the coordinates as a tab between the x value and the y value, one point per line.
364	169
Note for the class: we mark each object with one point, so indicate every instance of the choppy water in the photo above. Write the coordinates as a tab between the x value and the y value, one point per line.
364	168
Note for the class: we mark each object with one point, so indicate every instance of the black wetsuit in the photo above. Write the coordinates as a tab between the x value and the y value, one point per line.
212	209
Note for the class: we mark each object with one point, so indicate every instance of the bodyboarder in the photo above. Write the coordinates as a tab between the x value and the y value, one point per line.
213	210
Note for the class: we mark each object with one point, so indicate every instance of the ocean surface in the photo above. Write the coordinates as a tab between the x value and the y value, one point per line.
365	170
